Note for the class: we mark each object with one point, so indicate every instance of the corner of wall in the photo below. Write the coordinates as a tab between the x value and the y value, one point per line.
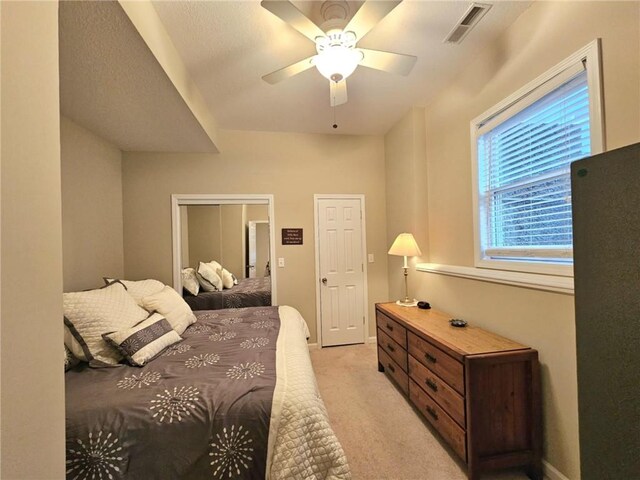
32	408
406	184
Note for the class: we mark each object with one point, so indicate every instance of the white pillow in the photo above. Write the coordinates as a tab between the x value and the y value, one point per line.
69	360
215	265
171	306
139	288
227	278
190	281
87	315
145	341
209	278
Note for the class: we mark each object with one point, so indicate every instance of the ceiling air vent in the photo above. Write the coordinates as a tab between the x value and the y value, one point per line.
469	20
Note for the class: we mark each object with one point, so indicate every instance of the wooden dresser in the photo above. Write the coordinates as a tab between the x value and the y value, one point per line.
479	390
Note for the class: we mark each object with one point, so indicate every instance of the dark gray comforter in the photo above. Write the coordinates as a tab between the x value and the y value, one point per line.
200	410
250	292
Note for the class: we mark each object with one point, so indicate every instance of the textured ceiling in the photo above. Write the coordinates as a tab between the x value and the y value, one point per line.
228	45
111	84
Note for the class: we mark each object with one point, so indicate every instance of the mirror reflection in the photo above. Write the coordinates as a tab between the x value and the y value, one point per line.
222	253
236	236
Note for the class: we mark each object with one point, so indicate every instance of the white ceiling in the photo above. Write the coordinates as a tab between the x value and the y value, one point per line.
111	83
227	46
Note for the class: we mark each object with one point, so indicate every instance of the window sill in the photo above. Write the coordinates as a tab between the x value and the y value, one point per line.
549	283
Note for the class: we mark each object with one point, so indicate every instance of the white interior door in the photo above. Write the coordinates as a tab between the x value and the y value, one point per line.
258	248
341	270
251	265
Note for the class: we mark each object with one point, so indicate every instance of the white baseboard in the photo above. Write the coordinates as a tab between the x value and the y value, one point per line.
551	472
315	346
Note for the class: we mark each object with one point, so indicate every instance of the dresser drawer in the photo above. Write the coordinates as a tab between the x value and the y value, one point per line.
449	429
393	349
392	328
394	370
444	366
443	394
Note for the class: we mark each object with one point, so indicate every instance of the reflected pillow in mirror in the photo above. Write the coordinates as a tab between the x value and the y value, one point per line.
215	265
227	278
209	280
190	281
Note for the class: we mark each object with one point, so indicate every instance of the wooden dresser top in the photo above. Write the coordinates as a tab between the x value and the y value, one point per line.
460	341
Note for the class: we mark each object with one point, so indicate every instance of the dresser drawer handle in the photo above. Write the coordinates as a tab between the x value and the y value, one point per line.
432	412
390	347
390	327
430	357
432	385
390	367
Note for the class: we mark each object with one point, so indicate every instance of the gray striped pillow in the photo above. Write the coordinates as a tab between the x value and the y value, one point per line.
145	341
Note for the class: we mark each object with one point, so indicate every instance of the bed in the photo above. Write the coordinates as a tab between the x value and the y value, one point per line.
237	398
249	292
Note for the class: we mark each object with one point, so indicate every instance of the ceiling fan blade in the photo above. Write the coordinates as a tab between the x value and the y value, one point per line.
387	61
368	16
289	13
337	92
290	71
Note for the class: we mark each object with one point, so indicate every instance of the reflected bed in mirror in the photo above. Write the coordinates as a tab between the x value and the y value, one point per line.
220	234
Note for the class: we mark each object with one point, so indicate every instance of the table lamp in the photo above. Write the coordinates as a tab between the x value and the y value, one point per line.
405	245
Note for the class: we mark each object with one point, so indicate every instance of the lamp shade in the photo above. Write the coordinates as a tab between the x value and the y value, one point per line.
405	245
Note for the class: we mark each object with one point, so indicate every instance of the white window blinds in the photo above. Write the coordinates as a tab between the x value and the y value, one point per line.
524	187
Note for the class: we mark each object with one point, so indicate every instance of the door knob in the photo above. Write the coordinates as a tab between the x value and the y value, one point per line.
324	281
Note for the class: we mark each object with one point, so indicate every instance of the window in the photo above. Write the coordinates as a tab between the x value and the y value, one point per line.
523	150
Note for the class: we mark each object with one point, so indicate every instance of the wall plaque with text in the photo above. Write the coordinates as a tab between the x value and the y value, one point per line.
291	236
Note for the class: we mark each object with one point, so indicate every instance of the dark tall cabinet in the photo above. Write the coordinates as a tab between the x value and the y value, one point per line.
606	231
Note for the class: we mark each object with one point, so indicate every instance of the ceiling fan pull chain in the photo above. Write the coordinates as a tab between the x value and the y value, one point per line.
335	125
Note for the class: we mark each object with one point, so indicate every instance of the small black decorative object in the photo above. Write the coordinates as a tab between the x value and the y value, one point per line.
424	305
456	322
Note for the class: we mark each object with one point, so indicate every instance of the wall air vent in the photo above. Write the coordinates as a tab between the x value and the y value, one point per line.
469	20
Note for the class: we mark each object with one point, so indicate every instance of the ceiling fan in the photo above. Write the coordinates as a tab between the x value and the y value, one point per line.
338	56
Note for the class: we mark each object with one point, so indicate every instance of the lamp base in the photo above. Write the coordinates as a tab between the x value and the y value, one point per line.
410	303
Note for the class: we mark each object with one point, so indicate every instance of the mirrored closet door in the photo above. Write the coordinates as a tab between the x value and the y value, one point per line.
234	230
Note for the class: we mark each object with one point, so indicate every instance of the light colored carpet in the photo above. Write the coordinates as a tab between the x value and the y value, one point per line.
382	435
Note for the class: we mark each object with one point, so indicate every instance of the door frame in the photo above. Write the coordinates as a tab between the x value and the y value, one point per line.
181	199
248	249
363	232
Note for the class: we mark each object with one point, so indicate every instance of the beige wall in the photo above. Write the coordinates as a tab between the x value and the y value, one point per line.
292	167
32	382
231	239
204	234
406	183
543	36
184	236
215	233
262	249
256	212
91	208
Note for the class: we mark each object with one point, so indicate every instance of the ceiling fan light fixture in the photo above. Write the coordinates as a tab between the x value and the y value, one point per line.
337	62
